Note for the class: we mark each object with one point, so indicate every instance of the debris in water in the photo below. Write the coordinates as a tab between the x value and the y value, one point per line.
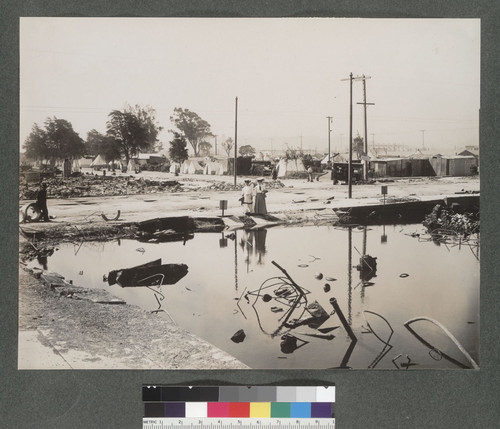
266	297
326	330
326	287
290	343
276	309
239	336
141	249
367	267
302	265
404	275
318	317
318	276
150	274
330	279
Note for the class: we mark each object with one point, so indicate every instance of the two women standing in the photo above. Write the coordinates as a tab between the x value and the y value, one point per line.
253	198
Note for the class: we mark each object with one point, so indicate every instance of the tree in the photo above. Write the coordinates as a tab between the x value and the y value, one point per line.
178	148
35	144
100	144
93	142
228	145
147	117
129	134
204	148
194	128
246	150
57	140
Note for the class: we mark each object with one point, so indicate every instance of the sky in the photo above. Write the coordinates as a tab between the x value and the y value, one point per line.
288	74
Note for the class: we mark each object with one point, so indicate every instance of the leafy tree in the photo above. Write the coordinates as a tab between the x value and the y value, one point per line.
93	142
100	144
129	134
178	148
246	150
194	128
204	148
228	145
57	140
147	117
35	144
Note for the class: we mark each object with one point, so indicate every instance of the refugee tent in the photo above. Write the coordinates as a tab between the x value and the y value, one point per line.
115	164
76	167
213	167
287	167
132	166
98	162
175	166
190	166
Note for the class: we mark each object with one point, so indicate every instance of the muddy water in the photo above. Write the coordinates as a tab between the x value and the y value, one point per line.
220	293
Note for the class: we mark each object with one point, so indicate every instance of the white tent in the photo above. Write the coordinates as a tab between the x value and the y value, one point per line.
116	164
98	162
288	167
76	167
213	167
132	166
190	166
174	166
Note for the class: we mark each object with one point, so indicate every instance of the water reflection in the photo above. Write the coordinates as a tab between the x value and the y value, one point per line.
285	325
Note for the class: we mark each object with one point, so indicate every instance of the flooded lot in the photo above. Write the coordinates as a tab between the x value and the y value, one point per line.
232	285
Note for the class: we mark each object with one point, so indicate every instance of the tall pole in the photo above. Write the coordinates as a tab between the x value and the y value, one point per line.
349	167
235	138
215	135
365	146
329	131
423	145
365	143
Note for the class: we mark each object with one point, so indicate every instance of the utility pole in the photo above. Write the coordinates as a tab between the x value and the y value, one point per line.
329	131
235	138
423	141
215	135
365	145
349	166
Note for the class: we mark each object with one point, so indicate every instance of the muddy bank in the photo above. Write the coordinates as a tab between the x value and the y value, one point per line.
73	327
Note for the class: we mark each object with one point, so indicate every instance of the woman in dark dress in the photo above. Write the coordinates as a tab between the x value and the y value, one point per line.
260	197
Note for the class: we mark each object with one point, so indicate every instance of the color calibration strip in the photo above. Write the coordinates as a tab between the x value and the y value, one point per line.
239	402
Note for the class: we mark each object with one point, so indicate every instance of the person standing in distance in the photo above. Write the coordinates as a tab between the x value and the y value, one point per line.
41	201
260	197
247	197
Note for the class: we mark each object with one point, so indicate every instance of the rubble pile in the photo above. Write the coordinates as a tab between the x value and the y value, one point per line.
98	186
223	186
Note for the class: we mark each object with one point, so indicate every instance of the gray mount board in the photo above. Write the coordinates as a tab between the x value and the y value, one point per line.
112	399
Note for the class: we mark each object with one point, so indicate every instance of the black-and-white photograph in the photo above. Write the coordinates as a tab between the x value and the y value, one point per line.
249	193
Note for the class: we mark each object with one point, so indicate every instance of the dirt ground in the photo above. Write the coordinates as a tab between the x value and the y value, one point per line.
69	327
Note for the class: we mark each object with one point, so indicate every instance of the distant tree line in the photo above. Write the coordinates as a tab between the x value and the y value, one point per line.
128	132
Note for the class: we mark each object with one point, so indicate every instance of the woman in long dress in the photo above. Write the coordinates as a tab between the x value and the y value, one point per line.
260	197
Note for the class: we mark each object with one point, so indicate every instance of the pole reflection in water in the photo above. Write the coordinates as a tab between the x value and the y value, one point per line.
236	260
349	277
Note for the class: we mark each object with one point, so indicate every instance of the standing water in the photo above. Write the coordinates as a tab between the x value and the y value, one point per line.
233	285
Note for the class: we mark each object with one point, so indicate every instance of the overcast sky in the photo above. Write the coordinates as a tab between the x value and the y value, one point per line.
287	75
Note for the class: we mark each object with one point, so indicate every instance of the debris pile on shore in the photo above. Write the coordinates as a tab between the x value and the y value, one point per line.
99	186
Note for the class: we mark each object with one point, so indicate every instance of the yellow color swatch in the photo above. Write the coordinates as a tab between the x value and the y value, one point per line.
260	409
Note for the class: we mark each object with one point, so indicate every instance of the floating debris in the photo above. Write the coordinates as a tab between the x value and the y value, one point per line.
239	336
330	279
326	330
326	287
276	309
149	274
404	275
302	265
318	276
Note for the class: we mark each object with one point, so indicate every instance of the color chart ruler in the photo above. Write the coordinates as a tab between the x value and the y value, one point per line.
243	407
